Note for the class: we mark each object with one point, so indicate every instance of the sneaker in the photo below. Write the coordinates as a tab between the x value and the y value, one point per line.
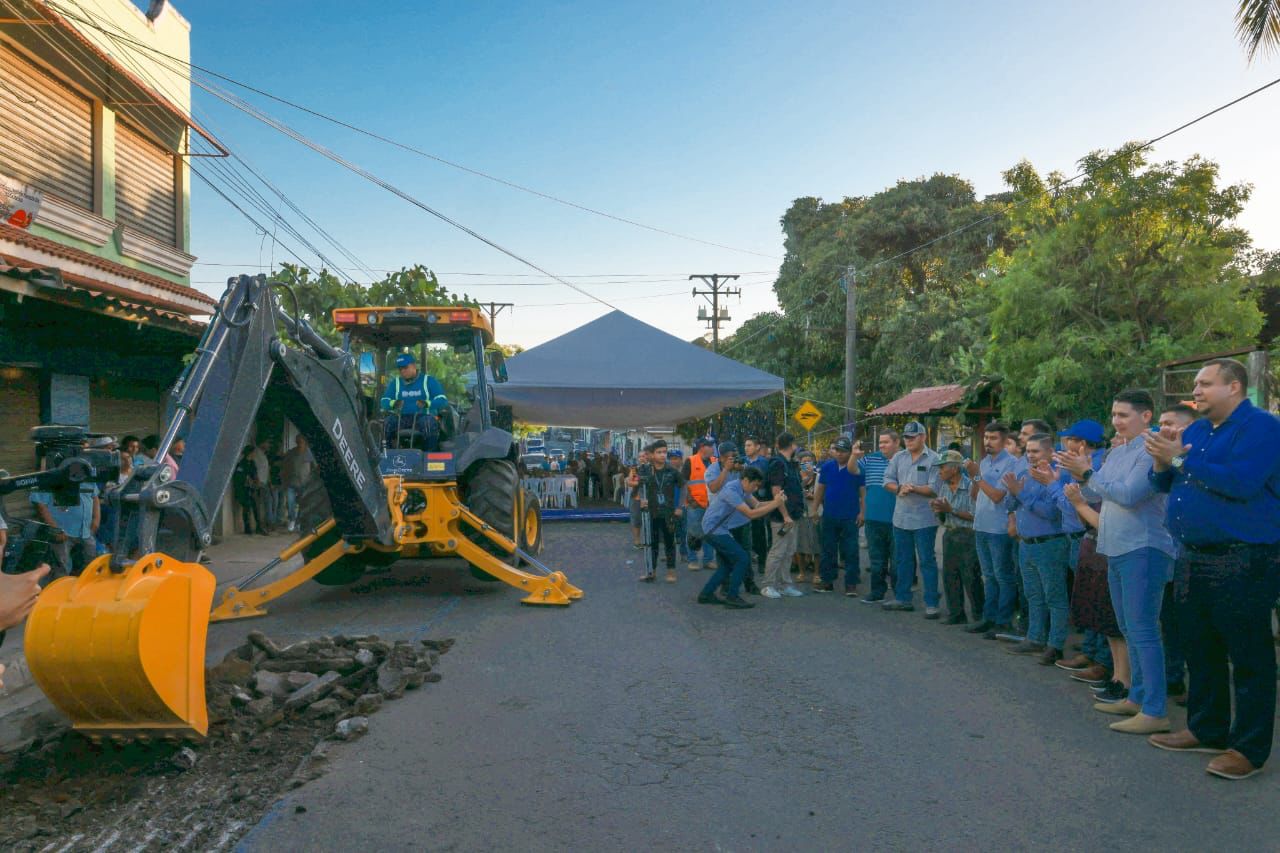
982	627
792	592
649	578
711	567
995	632
898	606
710	599
770	592
851	591
1112	694
733	602
932	613
695	566
292	527
824	587
873	599
1011	635
671	575
1026	647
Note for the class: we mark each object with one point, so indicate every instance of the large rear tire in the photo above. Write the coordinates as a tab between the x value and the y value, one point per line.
492	493
314	510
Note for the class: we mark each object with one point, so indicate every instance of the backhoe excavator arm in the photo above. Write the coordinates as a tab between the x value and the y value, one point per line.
215	402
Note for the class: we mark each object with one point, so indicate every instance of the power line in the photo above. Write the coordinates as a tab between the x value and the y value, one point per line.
414	150
1124	151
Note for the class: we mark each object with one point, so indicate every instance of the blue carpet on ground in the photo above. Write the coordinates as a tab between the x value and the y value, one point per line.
586	514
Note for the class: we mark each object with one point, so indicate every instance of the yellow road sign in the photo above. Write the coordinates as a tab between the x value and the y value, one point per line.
807	415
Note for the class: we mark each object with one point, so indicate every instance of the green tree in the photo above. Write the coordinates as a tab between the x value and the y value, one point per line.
1258	26
1135	265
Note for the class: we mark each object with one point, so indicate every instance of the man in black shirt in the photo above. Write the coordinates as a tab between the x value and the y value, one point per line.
662	498
783	479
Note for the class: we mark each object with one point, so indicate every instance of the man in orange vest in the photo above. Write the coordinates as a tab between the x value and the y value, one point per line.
695	476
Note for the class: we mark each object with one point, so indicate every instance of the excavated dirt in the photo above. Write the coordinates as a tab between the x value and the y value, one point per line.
274	714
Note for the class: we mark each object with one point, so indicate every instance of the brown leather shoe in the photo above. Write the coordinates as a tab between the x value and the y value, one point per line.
1183	741
1232	765
1094	675
1078	663
1141	724
1123	709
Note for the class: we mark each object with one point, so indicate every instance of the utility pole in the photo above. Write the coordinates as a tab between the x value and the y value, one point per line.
715	281
493	309
850	346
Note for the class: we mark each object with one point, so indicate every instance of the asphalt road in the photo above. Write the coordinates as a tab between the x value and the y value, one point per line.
637	719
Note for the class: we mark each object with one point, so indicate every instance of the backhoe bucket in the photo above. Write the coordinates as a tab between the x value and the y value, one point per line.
123	654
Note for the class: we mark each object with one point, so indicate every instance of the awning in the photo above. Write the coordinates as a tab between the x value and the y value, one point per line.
77	292
617	372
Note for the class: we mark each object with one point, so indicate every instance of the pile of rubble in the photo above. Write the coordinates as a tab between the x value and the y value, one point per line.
274	713
346	679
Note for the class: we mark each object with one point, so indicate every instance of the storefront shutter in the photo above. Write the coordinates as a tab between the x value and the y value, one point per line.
146	186
123	407
47	137
19	412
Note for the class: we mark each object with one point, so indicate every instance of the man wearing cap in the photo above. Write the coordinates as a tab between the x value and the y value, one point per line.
991	537
1222	476
912	476
960	570
877	515
694	472
417	396
1085	437
841	492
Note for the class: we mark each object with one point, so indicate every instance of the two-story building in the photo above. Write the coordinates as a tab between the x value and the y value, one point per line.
96	306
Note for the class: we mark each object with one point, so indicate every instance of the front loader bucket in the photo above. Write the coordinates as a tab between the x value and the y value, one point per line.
123	654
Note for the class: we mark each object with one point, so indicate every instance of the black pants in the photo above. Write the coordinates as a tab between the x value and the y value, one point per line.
249	515
662	531
961	573
1224	613
761	541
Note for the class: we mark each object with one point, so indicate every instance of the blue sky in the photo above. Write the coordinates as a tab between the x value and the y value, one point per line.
705	119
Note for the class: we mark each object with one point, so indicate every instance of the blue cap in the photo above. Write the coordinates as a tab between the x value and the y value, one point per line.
1086	430
439	403
726	447
405	359
676	452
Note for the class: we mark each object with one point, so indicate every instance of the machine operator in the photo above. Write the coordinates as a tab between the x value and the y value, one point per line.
418	398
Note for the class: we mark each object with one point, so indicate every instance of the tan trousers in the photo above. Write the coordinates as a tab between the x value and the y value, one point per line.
777	566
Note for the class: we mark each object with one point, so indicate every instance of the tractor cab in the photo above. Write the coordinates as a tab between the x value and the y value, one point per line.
429	438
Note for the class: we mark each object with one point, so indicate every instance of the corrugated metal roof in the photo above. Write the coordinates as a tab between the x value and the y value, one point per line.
99	297
925	401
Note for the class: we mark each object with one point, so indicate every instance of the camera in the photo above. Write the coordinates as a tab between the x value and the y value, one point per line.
62	449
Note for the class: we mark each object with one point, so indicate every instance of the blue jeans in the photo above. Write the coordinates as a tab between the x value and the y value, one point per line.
996	559
732	564
840	535
1137	580
1096	648
1044	579
880	552
919	543
694	515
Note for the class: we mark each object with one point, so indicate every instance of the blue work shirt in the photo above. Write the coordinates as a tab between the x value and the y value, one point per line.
1036	508
417	393
880	501
1229	487
713	473
988	515
1133	513
761	463
722	514
840	496
76	520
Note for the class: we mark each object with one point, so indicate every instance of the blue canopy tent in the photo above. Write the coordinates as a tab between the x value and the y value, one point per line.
617	372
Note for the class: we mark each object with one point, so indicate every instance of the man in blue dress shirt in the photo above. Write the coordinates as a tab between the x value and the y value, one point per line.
1223	479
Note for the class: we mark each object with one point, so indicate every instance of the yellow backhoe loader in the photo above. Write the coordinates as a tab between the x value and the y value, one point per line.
120	649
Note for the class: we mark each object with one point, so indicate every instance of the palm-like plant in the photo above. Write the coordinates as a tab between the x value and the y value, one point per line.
1258	26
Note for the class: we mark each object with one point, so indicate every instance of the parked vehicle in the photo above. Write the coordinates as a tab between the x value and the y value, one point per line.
536	460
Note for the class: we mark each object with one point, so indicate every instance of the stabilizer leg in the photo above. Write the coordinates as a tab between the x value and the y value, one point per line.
243	604
551	588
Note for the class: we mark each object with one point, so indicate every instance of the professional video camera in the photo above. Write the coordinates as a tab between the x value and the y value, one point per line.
67	465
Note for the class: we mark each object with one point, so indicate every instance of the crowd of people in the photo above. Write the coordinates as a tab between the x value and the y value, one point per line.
1159	544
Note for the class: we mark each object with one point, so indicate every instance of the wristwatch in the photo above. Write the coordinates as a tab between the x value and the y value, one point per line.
1176	462
1084	478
